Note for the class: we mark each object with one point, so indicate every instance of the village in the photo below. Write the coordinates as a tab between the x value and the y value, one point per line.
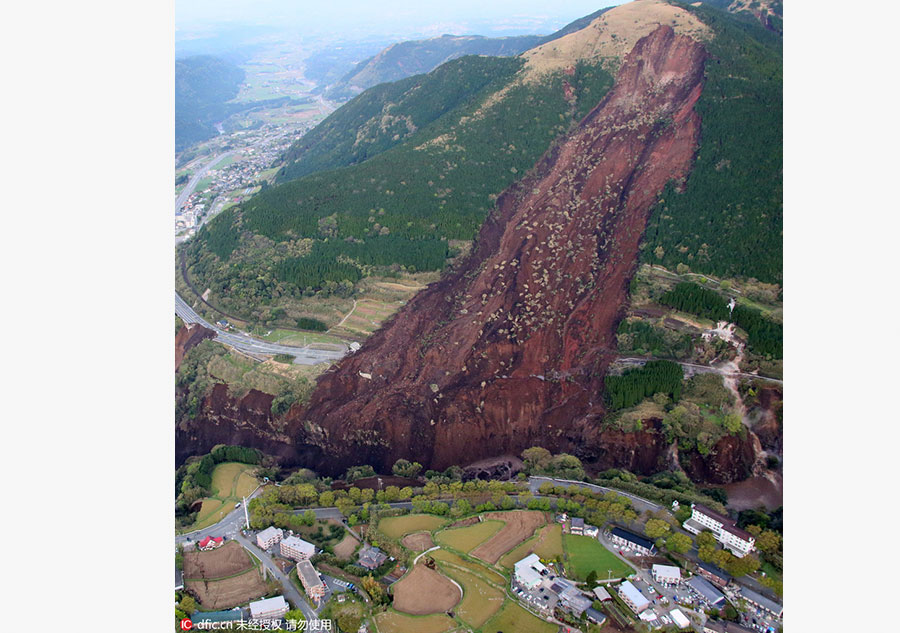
524	570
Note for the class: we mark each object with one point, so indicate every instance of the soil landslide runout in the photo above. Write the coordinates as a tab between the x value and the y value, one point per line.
423	591
509	349
519	527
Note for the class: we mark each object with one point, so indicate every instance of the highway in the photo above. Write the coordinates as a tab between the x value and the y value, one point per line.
245	343
200	173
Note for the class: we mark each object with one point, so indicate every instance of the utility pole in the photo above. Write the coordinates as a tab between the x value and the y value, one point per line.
246	516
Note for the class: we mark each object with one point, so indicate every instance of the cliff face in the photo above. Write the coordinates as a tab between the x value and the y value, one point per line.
509	350
247	421
187	337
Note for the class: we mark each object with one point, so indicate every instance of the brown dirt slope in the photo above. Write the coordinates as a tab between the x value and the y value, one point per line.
519	526
509	349
227	560
423	591
189	336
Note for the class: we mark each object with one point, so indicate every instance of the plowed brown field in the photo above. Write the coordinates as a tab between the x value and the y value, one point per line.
424	591
520	525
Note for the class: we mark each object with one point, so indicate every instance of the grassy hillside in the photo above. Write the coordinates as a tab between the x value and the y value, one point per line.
727	218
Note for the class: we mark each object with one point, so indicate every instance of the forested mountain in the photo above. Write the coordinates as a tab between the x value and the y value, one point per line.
203	84
405	59
422	160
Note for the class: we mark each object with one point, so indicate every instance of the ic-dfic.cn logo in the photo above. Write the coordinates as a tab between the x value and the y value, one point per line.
186	624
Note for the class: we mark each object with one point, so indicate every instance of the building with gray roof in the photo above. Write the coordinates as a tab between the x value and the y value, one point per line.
762	602
705	590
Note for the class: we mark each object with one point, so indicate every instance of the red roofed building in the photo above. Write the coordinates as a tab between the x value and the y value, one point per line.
211	542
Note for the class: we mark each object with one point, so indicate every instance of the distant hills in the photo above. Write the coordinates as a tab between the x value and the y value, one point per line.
405	59
203	84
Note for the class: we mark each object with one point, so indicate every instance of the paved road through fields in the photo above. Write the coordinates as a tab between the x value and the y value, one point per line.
245	343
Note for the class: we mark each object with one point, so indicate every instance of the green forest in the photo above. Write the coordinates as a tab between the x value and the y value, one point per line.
726	220
203	84
764	335
657	376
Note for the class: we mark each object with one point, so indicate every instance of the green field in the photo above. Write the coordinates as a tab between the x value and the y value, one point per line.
397	527
394	622
584	554
231	481
468	538
514	618
479	570
547	544
480	600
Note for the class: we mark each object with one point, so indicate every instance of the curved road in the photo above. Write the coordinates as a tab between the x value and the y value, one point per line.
244	343
198	175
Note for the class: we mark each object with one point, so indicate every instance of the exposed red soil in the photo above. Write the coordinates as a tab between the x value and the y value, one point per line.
187	337
731	459
510	348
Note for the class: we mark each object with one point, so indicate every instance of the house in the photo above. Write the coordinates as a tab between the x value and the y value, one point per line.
739	542
705	591
205	619
591	530
602	594
572	600
679	619
595	616
759	600
268	609
714	574
210	543
632	597
667	574
310	579
630	540
371	557
723	626
269	537
577	526
297	549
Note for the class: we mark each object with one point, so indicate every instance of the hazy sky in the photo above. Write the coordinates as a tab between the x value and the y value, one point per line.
384	16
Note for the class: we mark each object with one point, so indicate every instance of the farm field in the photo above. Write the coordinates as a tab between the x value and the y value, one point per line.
519	525
395	622
346	547
466	539
515	618
231	481
424	591
229	592
478	569
396	527
480	600
547	544
585	554
418	542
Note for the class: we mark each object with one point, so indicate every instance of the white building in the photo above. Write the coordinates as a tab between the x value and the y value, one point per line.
268	609
631	596
679	619
269	537
739	542
668	574
297	549
529	571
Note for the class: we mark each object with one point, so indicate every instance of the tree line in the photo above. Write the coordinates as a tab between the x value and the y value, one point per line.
657	376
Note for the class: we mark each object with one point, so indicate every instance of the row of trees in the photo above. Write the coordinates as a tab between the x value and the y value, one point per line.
764	335
658	376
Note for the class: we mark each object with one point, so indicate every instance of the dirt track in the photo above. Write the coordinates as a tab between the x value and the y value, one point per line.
519	526
424	591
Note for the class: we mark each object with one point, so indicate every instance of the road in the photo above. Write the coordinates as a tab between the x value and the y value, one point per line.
198	175
694	369
291	593
640	505
245	343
